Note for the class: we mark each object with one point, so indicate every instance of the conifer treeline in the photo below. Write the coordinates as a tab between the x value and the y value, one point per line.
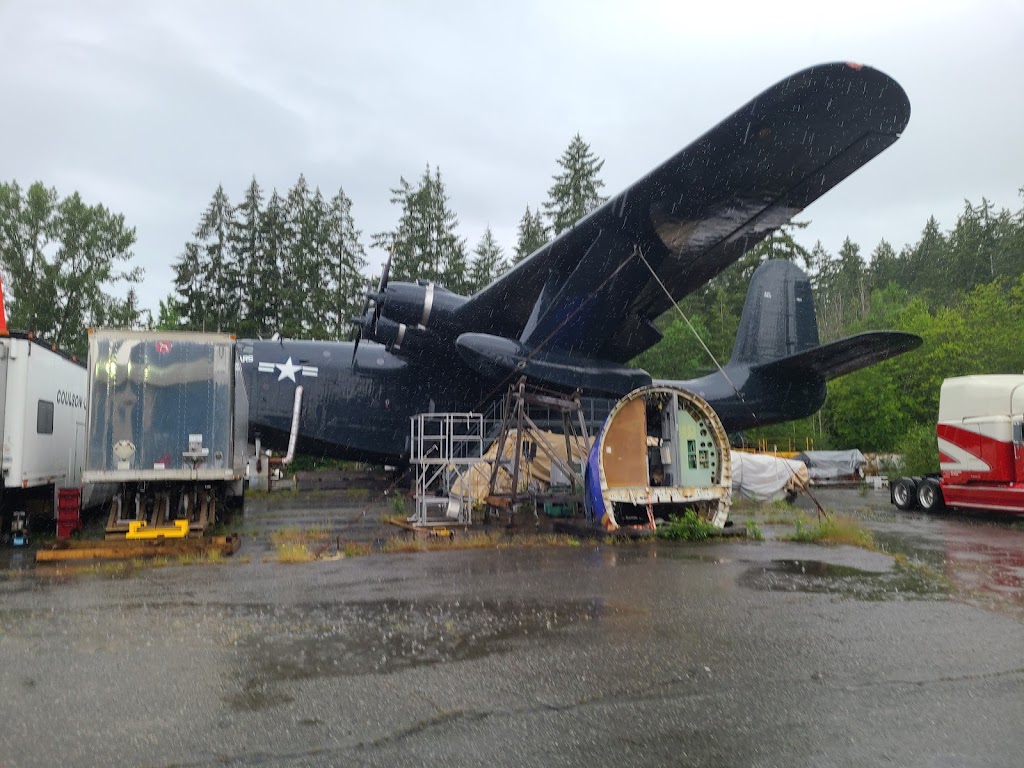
290	265
293	265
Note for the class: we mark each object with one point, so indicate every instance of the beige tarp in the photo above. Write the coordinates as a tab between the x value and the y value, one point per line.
535	474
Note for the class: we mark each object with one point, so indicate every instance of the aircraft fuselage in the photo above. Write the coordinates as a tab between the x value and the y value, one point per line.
350	410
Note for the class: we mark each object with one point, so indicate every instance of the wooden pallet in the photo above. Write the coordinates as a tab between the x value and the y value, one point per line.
60	551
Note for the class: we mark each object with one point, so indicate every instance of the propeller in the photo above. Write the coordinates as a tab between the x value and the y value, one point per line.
376	298
381	287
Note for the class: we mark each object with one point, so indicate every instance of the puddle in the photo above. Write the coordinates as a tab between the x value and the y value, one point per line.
904	580
381	637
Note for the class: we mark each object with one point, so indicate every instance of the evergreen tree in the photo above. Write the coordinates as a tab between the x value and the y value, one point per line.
301	233
927	263
267	310
425	244
781	244
204	273
246	239
315	275
532	235
488	263
403	243
347	260
575	192
190	284
885	266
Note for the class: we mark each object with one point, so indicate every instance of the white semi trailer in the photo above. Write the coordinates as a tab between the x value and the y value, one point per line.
42	419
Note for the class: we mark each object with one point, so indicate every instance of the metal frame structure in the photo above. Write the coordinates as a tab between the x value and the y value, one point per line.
515	415
442	445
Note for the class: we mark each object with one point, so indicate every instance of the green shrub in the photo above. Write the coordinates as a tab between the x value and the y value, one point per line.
920	451
689	527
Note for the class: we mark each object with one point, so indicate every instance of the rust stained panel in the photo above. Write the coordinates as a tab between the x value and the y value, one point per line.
625	447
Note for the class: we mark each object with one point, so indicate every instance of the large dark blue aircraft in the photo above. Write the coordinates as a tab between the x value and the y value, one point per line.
571	315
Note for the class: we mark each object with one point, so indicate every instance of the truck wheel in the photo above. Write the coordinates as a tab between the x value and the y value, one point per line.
929	495
904	493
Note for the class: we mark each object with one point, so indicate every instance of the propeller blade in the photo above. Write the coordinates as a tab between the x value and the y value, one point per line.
386	271
378	300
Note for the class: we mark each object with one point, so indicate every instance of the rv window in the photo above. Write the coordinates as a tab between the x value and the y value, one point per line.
44	418
1018	432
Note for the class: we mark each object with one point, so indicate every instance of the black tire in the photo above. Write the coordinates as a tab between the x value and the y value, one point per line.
929	496
904	493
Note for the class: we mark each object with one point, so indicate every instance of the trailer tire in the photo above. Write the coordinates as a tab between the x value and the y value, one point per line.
904	493
929	495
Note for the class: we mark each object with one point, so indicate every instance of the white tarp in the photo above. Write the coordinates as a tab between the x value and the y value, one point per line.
834	465
765	477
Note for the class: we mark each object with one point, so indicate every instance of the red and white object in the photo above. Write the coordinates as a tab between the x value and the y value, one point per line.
980	435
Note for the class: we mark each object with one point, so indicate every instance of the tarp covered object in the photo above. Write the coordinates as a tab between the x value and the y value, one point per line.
833	465
765	477
537	473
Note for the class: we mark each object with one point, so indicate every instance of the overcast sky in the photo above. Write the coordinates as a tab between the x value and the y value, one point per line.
147	106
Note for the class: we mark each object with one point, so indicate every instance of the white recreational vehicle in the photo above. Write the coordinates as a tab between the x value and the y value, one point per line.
42	417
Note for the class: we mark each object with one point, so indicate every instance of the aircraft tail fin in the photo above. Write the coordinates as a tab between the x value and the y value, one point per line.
778	316
778	332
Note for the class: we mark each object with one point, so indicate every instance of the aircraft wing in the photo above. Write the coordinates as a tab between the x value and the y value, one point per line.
838	358
587	291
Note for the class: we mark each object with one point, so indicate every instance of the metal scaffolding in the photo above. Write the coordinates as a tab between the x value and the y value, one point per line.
442	446
530	438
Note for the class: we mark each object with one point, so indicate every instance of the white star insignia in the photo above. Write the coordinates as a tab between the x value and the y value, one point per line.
288	369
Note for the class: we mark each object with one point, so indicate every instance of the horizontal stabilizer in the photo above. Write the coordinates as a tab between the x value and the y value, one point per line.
837	358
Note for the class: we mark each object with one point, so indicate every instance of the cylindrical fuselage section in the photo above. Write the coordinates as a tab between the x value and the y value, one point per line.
661	451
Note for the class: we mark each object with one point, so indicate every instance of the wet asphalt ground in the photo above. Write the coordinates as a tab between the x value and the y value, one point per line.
728	653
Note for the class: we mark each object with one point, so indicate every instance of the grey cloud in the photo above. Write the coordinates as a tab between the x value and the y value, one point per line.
146	107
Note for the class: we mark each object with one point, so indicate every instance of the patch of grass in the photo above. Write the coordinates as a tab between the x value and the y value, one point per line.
833	529
754	530
689	527
112	568
211	557
242	559
404	545
308	535
357	548
398	504
293	553
478	540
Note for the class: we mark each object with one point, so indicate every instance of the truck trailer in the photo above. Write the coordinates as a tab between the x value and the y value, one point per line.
167	421
980	440
42	420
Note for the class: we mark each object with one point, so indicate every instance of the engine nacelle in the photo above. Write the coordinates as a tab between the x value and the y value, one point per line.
421	304
398	337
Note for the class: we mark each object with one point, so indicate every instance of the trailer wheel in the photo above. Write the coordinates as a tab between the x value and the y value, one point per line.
904	493
929	495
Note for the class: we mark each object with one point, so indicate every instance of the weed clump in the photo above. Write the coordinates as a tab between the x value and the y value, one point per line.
689	527
357	548
834	529
754	530
293	552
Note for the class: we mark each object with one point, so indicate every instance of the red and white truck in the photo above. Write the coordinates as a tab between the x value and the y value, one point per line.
981	449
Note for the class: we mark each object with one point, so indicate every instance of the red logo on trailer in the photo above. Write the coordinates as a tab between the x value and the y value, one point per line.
163	347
